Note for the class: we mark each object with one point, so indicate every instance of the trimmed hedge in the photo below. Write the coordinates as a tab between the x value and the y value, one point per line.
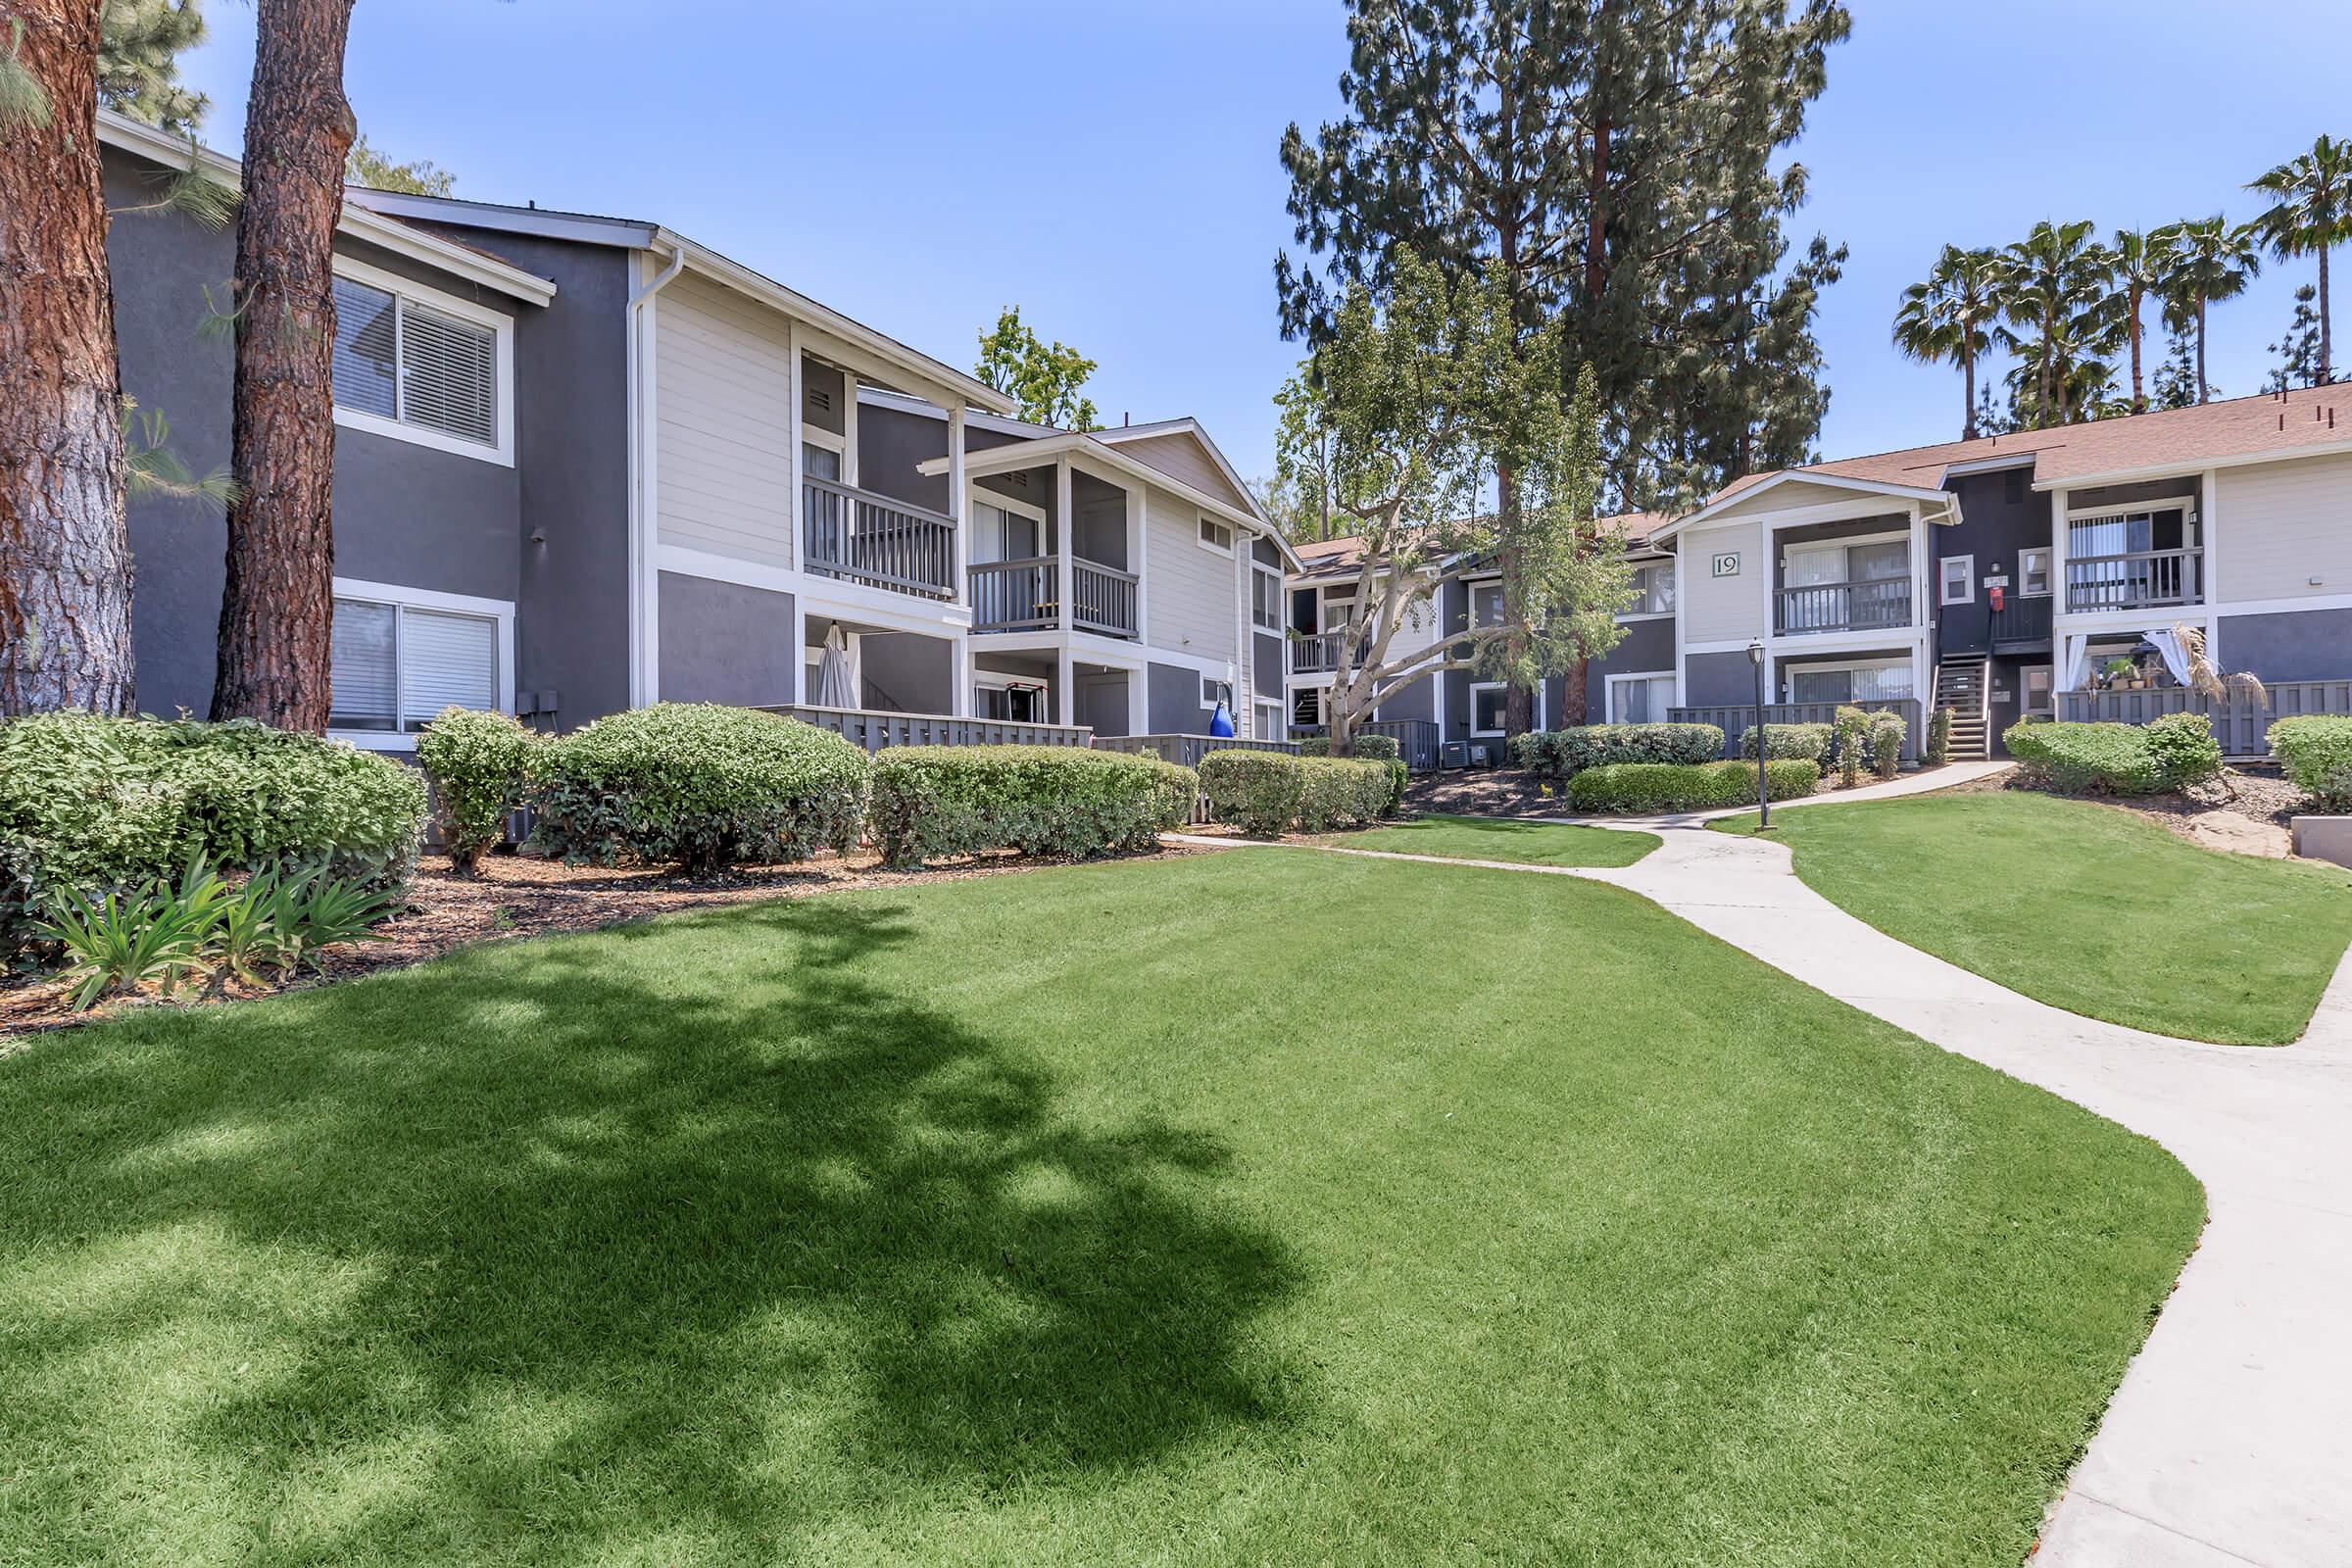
1562	753
1266	794
2185	750
2114	758
2316	752
1688	787
112	805
1783	742
477	762
1939	737
1368	748
1886	731
697	784
932	801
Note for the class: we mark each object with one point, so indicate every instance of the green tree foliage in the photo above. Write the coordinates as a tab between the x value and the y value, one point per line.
139	44
369	165
2310	215
2060	321
2207	260
1298	497
1621	162
1948	319
1044	378
2298	353
2176	383
1422	398
2143	263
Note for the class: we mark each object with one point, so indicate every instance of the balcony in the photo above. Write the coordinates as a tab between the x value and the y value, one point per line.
858	536
1026	596
2143	579
1317	653
1873	605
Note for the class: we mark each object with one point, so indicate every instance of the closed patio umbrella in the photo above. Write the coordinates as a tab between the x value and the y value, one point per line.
834	686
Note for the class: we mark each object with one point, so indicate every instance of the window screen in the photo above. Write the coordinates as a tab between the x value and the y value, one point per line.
367	349
393	667
448	374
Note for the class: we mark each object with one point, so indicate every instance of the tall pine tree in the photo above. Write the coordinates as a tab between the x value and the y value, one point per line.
138	61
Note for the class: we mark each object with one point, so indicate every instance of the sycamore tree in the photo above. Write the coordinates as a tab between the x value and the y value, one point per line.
1043	377
1420	402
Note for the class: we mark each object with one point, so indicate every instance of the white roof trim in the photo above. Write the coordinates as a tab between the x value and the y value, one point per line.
2183	467
358	223
1836	481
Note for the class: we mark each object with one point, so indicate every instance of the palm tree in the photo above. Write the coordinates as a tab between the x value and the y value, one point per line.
2205	260
2312	214
2139	272
1949	317
2056	301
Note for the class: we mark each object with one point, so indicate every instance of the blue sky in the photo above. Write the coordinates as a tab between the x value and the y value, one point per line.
1112	169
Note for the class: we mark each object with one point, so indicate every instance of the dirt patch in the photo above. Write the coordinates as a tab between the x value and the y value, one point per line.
522	896
1484	792
2244	812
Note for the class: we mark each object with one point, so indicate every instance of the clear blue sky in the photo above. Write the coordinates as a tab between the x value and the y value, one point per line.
1112	168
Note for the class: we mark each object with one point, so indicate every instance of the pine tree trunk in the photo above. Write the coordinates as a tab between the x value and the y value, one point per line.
64	559
277	608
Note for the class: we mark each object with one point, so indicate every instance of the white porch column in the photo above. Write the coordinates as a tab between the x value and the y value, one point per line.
1061	528
2209	579
800	652
1139	701
960	674
1135	563
1065	695
2058	593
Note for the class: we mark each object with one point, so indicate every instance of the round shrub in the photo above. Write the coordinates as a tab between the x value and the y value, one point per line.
476	762
1562	753
1314	746
1375	749
1887	730
2183	749
105	806
700	785
1257	792
931	801
1783	742
1342	792
1687	787
2316	752
2074	759
1939	737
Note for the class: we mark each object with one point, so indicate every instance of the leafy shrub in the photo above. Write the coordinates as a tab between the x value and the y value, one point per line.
477	762
2316	752
1939	737
1374	749
1810	743
1887	730
1852	726
1314	746
112	805
2183	749
933	800
697	784
1268	793
2103	759
1562	753
1686	786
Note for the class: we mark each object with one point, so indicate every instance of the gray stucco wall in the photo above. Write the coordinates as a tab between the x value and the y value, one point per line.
890	443
1101	702
2292	645
1174	702
906	673
722	642
404	514
1645	648
1710	679
1417	701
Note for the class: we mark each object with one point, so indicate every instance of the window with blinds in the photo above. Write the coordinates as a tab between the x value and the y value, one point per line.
394	667
398	359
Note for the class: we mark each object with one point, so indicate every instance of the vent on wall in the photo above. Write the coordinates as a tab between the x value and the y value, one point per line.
821	398
1019	479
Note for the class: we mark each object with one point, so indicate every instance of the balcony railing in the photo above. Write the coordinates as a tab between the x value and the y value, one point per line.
1317	653
2139	580
1874	605
1026	596
2022	622
861	537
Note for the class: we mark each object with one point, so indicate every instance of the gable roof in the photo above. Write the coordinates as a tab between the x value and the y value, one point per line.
1327	558
1169	445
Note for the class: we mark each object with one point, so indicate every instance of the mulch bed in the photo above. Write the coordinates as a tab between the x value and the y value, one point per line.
522	896
1484	792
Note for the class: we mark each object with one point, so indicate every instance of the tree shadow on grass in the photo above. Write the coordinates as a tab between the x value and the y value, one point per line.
691	1223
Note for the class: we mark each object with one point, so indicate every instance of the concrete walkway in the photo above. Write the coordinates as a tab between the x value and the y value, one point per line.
2231	1439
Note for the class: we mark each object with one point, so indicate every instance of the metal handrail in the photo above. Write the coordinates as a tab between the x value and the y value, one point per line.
2135	579
864	537
1869	603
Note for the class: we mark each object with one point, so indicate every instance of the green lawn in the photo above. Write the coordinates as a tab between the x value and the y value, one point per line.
1494	838
1108	1214
2085	906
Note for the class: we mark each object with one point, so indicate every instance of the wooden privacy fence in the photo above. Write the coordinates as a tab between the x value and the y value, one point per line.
1186	751
1416	739
874	730
2240	724
1734	718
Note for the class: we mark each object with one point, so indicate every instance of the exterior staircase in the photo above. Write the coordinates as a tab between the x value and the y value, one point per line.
1961	682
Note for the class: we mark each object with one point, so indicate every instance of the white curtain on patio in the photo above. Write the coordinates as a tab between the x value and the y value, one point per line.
835	686
2168	647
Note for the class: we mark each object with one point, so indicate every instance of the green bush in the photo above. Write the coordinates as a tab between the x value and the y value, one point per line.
113	805
1314	746
1939	737
1266	794
1562	753
2103	759
477	762
1887	730
1852	726
1809	742
2317	752
697	784
1687	786
1374	749
2183	749
932	801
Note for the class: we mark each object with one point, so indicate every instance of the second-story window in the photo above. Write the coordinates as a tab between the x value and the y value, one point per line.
1485	604
419	366
1217	536
1265	598
1653	589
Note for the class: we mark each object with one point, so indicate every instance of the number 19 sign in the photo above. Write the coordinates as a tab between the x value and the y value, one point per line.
1726	564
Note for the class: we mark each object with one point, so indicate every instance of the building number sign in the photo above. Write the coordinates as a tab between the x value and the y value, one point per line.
1726	564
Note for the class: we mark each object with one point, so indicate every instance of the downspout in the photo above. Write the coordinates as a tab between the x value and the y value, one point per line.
641	522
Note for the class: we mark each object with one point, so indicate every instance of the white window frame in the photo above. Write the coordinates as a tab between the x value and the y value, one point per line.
1641	571
1224	693
1259	569
1207	523
2024	571
978	496
1790	670
1609	685
1320	696
2024	706
500	611
1472	590
502	328
1273	721
1476	687
1943	580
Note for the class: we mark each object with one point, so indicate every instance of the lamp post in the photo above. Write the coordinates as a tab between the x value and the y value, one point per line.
1755	658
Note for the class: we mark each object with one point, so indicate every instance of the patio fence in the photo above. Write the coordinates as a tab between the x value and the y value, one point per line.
1416	739
2240	724
1187	751
873	729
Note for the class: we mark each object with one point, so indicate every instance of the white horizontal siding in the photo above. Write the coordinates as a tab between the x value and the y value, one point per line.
722	401
1195	594
1716	608
2281	524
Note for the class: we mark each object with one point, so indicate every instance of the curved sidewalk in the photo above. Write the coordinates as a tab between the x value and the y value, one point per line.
2230	1440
